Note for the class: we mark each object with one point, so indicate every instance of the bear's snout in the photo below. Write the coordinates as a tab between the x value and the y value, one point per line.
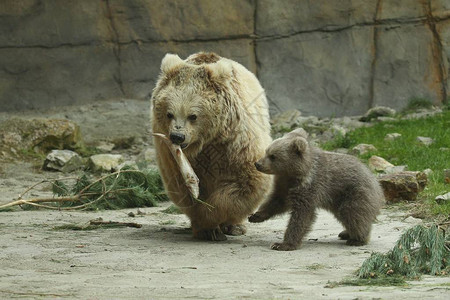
177	138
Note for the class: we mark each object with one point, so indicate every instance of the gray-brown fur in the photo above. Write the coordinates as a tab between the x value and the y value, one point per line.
307	178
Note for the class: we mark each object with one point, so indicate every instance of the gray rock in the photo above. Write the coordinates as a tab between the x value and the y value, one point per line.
327	58
395	169
427	141
402	186
441	199
63	160
38	135
379	164
401	71
428	172
301	71
423	114
362	149
333	132
392	136
105	146
386	119
377	111
104	162
286	121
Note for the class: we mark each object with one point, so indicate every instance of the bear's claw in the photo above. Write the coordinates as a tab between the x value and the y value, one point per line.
282	247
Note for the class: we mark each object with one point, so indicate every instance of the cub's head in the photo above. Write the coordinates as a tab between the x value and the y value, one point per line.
186	102
289	155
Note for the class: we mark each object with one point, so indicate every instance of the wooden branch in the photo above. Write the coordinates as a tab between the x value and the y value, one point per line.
125	224
41	200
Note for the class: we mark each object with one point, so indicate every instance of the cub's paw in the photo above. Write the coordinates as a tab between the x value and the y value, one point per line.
211	235
237	229
355	243
344	235
257	217
283	247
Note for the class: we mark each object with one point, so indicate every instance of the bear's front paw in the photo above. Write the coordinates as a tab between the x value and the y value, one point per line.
283	247
257	217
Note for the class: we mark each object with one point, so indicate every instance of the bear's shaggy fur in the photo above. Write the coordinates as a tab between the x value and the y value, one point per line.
307	178
217	111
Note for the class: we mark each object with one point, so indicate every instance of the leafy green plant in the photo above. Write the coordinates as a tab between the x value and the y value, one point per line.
420	250
121	189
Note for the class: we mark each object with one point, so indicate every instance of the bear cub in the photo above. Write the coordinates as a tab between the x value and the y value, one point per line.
307	178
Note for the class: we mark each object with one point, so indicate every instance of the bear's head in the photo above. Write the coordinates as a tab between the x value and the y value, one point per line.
287	156
189	100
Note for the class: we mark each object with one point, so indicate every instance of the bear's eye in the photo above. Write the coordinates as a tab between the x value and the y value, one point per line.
272	157
170	115
192	117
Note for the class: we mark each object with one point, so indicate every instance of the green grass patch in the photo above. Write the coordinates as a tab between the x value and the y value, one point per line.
386	281
418	103
405	150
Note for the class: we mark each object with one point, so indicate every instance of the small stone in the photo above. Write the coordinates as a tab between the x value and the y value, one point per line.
386	119
104	162
286	120
427	141
379	164
63	160
428	172
392	136
377	111
105	146
425	113
362	149
413	221
333	132
395	169
403	186
443	198
444	149
131	214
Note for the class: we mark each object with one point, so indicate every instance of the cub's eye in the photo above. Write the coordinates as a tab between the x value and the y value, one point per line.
169	115
192	117
272	157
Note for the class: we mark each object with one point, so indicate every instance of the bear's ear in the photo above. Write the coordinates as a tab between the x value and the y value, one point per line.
170	62
299	145
220	71
299	132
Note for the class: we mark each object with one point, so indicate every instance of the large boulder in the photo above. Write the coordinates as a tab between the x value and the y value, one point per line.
38	136
403	185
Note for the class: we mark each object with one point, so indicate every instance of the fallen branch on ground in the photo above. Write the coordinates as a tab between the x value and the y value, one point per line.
121	189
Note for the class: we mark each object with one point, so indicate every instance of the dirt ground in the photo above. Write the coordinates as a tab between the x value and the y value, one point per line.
161	260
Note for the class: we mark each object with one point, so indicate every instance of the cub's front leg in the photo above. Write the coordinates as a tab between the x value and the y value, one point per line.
275	205
303	216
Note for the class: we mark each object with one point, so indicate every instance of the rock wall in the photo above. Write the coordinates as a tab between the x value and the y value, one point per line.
325	58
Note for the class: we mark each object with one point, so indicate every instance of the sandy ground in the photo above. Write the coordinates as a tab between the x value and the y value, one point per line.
161	260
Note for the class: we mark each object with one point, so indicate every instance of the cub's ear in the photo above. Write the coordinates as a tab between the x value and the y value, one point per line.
299	145
299	132
170	62
220	71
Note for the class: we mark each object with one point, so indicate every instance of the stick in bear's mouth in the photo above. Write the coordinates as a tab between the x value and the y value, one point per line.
187	172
